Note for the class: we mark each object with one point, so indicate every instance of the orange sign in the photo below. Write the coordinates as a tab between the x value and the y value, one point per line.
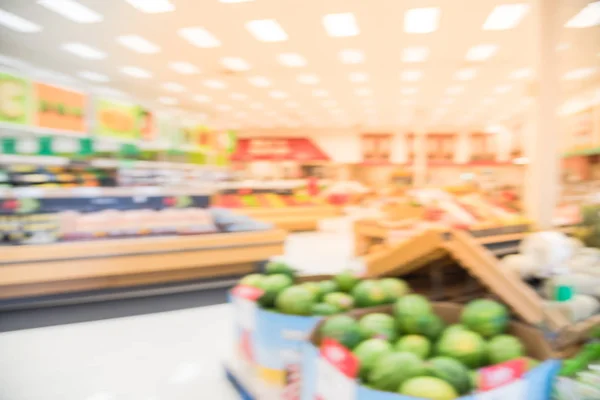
60	109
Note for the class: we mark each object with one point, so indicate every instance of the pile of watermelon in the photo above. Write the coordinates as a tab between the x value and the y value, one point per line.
411	351
283	292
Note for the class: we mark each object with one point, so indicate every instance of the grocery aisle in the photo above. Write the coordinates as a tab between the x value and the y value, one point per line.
173	355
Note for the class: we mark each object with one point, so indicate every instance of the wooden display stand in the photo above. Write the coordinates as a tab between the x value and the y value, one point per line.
43	270
293	219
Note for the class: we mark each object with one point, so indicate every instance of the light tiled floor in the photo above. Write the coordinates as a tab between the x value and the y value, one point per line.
168	356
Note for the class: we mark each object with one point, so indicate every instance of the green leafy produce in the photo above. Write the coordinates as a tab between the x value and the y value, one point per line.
368	352
390	371
416	344
486	317
346	281
295	300
342	301
369	293
342	328
451	371
273	285
467	347
504	348
425	387
378	325
324	309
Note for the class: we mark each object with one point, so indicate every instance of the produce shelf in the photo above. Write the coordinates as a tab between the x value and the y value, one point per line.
299	218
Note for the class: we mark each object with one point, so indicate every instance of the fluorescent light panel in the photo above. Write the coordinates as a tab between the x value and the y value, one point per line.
579	73
214	84
358	77
589	16
136	72
93	76
200	98
72	10
199	37
455	90
152	6
352	56
235	64
291	60
238	96
259	81
466	74
408	91
84	51
184	68
174	87
521	73
278	94
308	79
341	25
481	52
415	54
421	20
411	75
363	91
320	93
503	89
138	44
17	23
169	101
267	30
505	16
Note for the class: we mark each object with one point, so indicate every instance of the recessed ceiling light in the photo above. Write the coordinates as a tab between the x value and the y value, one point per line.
257	106
415	54
223	107
174	87
580	73
238	96
455	90
421	20
84	51
267	30
320	93
278	94
352	56
503	89
308	79
138	43
292	60
199	37
235	64
481	52
521	73
184	68
136	72
169	101
408	91
200	98
214	84
72	10
505	16
259	81
93	76
152	6
340	25
17	23
411	75
358	77
589	16
466	74
363	91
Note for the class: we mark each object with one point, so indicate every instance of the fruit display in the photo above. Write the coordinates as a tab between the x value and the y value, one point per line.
410	350
266	200
579	377
19	175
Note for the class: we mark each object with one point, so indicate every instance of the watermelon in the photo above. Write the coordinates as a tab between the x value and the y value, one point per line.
391	370
342	328
504	348
394	288
474	378
378	325
429	325
314	288
273	285
342	301
279	267
369	293
454	328
368	352
324	309
486	317
295	300
328	286
418	345
253	280
346	281
425	387
451	371
467	347
410	305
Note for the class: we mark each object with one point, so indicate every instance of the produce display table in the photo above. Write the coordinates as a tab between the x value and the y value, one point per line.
46	270
293	219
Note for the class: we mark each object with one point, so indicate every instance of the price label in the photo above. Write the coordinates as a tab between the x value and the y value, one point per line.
244	301
502	376
28	193
337	369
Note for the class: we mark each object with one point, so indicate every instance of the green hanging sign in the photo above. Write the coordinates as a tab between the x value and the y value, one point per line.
86	147
15	99
45	146
9	145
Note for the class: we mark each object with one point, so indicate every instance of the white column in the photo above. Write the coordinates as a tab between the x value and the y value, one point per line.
542	182
420	162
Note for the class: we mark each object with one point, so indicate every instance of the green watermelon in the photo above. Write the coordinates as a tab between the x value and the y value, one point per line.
425	387
429	325
410	305
273	285
314	288
342	328
324	309
253	280
328	286
394	288
451	371
486	317
454	328
342	301
295	300
467	347
369	293
368	352
474	378
504	348
279	267
378	325
391	370
415	344
346	281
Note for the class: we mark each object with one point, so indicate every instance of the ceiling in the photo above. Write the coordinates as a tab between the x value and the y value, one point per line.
383	101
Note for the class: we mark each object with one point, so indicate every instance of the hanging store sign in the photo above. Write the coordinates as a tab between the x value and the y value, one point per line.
122	120
277	149
59	109
376	148
580	131
15	99
441	148
482	147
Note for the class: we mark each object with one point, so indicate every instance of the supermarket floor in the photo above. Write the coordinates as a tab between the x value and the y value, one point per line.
172	355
